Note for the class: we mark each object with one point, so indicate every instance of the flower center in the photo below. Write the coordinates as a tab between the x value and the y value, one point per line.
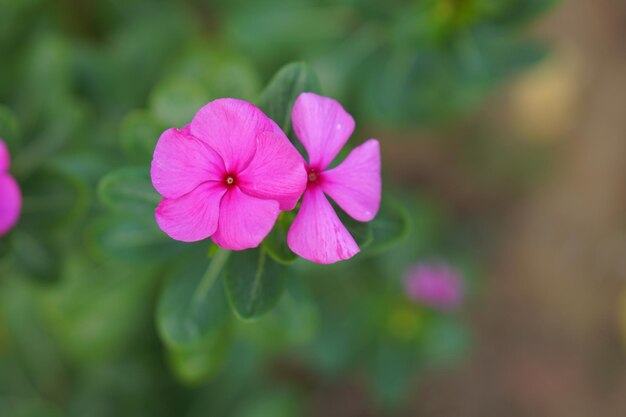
314	176
229	179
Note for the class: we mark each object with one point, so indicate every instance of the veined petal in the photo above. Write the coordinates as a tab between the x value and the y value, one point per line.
230	127
244	220
10	202
181	163
317	234
193	216
323	127
355	184
276	172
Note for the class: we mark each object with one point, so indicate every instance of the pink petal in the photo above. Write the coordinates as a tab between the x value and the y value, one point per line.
10	203
193	216
182	162
244	220
277	171
323	127
317	234
230	127
5	159
355	184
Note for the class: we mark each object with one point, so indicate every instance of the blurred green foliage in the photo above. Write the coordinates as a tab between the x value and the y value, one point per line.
85	90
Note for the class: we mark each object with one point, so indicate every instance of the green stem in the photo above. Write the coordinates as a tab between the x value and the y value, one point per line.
210	276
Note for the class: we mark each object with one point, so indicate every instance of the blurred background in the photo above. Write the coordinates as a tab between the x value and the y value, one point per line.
503	133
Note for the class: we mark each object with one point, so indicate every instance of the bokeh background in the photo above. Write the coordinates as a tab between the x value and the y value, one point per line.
503	134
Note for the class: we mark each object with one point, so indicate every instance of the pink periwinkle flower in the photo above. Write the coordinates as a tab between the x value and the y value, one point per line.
226	175
323	127
435	285
10	194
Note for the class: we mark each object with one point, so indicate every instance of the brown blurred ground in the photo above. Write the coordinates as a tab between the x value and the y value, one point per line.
547	331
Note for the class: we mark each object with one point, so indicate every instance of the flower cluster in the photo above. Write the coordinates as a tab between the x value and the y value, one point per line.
230	172
10	195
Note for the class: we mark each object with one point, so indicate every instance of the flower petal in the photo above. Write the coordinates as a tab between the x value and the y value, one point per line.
317	234
277	171
5	159
323	127
193	216
10	202
230	127
355	184
244	220
182	162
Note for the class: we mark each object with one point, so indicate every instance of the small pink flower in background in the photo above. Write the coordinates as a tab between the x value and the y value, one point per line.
323	127
435	285
226	175
10	195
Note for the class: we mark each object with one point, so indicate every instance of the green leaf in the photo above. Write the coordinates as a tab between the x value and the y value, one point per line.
36	256
275	244
195	364
9	132
139	134
191	307
253	282
53	200
129	191
390	226
95	310
360	231
130	239
278	97
175	101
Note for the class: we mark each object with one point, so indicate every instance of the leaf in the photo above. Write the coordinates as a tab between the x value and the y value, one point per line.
53	200
9	131
139	134
175	101
195	364
191	308
360	231
390	226
275	244
253	282
130	239
37	256
282	91
95	310
129	191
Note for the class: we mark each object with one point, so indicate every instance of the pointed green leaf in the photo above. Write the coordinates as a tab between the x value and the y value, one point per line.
191	307
282	91
254	283
129	191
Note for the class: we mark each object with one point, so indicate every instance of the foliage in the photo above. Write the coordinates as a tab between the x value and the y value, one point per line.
101	314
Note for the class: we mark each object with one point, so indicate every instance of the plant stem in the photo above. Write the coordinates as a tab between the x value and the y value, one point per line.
210	276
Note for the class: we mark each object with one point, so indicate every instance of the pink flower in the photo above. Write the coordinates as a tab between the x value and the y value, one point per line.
323	127
10	195
226	175
435	285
